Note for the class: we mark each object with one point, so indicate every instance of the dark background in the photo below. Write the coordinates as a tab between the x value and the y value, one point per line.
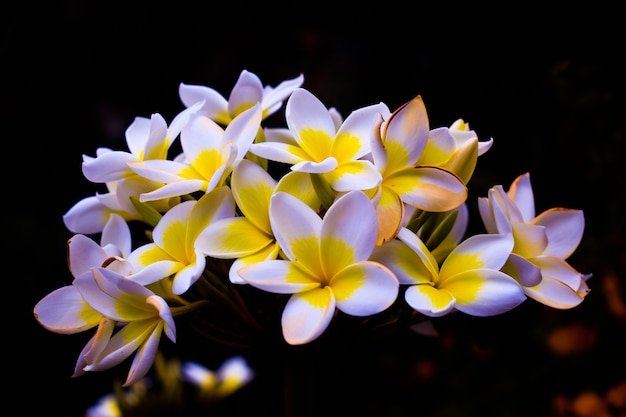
548	87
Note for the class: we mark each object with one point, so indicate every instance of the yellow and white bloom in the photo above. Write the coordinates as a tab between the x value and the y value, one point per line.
469	280
173	250
326	265
322	148
247	91
396	149
209	153
147	139
64	310
141	315
455	148
542	243
248	238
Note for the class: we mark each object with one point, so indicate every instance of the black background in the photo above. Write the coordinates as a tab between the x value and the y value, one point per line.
547	86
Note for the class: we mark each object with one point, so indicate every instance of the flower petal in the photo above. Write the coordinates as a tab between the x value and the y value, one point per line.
305	112
406	264
252	189
429	300
407	129
109	166
300	185
522	270
65	311
484	292
247	91
364	288
389	213
521	193
84	254
280	152
312	167
215	105
530	240
564	228
559	269
307	315
428	188
277	276
554	293
352	140
232	238
354	175
477	252
242	130
144	358
348	232
296	228
268	253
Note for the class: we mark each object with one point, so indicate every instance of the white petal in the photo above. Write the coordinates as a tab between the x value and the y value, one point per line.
351	220
65	311
275	151
429	300
277	276
84	254
364	289
275	96
87	216
247	91
307	315
564	228
305	111
478	251
117	233
312	167
554	293
243	129
521	192
292	220
143	360
408	128
111	166
484	292
522	270
215	105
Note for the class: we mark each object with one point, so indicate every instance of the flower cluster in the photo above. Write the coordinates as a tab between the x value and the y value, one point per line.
364	216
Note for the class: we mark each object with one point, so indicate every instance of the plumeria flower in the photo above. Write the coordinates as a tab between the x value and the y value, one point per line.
455	148
469	280
147	139
248	238
209	153
542	243
90	214
142	315
232	375
248	91
327	264
396	148
64	310
322	148
174	237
